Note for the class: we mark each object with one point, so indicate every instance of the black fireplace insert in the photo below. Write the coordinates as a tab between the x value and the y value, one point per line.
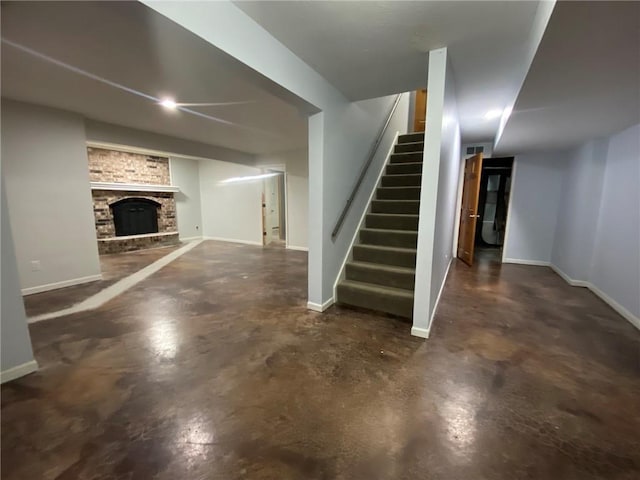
135	216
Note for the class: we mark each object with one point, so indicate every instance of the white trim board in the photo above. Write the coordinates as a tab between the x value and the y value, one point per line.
425	332
121	286
301	249
341	272
190	239
233	240
522	261
18	371
133	187
62	284
622	311
316	307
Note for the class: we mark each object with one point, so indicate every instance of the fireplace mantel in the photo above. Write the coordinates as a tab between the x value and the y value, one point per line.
133	187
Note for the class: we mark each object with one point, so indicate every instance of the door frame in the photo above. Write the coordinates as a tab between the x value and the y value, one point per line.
279	167
456	231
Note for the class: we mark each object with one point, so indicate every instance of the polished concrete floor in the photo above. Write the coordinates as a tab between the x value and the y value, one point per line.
214	369
114	267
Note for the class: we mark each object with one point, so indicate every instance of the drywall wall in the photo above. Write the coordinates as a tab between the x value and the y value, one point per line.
350	131
44	161
116	135
615	267
296	166
231	202
533	207
185	173
578	209
16	353
439	192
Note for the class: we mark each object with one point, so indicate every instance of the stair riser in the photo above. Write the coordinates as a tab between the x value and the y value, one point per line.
403	168
411	138
398	259
409	147
409	193
392	222
406	207
380	277
406	158
402	307
389	239
401	180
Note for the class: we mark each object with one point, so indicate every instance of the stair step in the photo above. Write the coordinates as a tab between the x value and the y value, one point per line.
398	193
395	301
411	137
404	168
396	206
380	274
389	238
409	147
406	180
408	157
392	221
401	257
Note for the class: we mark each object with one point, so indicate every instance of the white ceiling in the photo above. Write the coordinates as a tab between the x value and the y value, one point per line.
584	81
131	45
370	49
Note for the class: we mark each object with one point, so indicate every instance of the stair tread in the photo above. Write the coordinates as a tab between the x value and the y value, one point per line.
394	214
402	186
389	230
386	248
382	266
408	153
374	288
403	174
393	200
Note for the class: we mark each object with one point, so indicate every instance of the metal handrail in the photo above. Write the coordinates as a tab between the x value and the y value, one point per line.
363	172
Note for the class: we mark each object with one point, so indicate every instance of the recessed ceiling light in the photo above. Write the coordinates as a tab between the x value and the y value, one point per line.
169	104
491	114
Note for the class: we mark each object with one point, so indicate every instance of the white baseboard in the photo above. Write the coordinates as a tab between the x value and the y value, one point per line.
420	332
301	249
233	240
18	371
520	261
630	317
62	284
568	279
190	239
316	307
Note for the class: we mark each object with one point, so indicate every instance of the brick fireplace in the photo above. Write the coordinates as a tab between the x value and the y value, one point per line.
133	200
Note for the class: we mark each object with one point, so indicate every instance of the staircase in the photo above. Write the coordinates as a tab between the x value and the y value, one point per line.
381	273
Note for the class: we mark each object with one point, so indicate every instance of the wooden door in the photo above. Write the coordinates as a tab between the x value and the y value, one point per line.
469	210
420	112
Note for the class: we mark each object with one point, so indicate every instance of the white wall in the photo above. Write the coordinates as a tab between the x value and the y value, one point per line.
615	269
231	211
296	165
15	349
536	186
439	193
47	180
185	173
350	130
578	209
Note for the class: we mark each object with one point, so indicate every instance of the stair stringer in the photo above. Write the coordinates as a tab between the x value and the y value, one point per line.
349	256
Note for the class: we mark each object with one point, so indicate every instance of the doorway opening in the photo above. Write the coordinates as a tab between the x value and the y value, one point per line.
274	225
493	203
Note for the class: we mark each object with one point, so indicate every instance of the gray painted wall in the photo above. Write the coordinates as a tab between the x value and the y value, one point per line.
533	208
14	334
44	160
185	173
